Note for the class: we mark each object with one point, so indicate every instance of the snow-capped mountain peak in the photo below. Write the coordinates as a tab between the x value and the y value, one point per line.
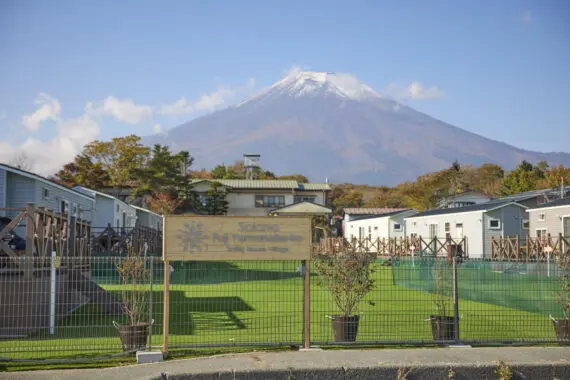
308	83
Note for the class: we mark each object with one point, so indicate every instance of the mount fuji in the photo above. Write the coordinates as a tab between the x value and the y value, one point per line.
330	125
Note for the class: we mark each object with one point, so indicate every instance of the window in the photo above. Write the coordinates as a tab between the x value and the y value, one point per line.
414	224
202	199
541	233
118	207
45	193
369	232
397	227
75	210
269	200
64	208
447	228
494	224
525	224
305	198
376	228
541	217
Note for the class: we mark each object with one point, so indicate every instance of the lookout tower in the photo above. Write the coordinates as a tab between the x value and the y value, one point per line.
251	164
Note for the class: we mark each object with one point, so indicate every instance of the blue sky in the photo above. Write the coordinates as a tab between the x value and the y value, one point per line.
72	71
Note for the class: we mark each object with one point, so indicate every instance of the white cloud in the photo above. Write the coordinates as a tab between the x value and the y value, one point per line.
48	156
214	99
49	109
205	102
414	90
157	128
527	17
124	110
180	107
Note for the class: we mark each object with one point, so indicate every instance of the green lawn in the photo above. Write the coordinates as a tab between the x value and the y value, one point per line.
253	303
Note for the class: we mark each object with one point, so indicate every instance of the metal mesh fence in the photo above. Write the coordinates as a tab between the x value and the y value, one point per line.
236	303
497	301
255	303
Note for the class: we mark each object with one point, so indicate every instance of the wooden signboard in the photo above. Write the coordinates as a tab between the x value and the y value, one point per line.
220	238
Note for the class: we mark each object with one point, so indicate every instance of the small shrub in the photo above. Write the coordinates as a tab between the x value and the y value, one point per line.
504	371
347	275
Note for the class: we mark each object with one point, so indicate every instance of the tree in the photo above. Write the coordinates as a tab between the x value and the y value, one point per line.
22	161
295	177
219	172
164	172
118	157
554	176
82	171
489	179
164	204
524	178
216	203
386	197
202	174
345	195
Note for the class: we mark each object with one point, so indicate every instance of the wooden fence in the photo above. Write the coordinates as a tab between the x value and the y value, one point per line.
386	247
116	240
531	248
45	231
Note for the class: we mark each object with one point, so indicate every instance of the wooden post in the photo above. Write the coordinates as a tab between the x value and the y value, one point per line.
518	248
30	211
29	252
307	306
40	227
166	303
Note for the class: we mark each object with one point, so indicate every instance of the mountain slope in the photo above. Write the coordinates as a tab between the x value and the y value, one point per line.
332	125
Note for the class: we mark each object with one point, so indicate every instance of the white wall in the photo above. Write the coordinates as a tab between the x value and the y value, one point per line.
472	228
379	228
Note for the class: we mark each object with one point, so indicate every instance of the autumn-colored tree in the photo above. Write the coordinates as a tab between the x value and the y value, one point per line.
489	179
554	176
82	171
202	174
345	195
164	204
238	171
118	157
386	197
295	177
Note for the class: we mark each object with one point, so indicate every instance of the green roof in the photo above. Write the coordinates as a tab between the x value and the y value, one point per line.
266	184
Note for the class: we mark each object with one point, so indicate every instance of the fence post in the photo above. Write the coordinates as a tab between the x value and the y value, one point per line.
150	320
455	300
307	305
166	303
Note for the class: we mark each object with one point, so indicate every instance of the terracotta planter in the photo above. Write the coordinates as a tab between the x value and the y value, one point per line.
442	328
562	328
133	337
345	327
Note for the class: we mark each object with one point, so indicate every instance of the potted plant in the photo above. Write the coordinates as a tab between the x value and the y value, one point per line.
562	326
347	275
442	324
134	275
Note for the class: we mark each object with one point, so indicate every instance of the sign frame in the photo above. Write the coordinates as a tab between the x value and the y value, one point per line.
236	238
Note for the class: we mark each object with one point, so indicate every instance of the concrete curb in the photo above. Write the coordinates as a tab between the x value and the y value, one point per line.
541	363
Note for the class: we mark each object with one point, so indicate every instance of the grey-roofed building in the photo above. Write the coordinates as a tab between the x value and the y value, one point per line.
19	187
550	218
477	223
384	225
353	212
536	198
251	197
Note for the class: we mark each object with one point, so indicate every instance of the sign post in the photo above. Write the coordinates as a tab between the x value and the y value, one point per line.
228	238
